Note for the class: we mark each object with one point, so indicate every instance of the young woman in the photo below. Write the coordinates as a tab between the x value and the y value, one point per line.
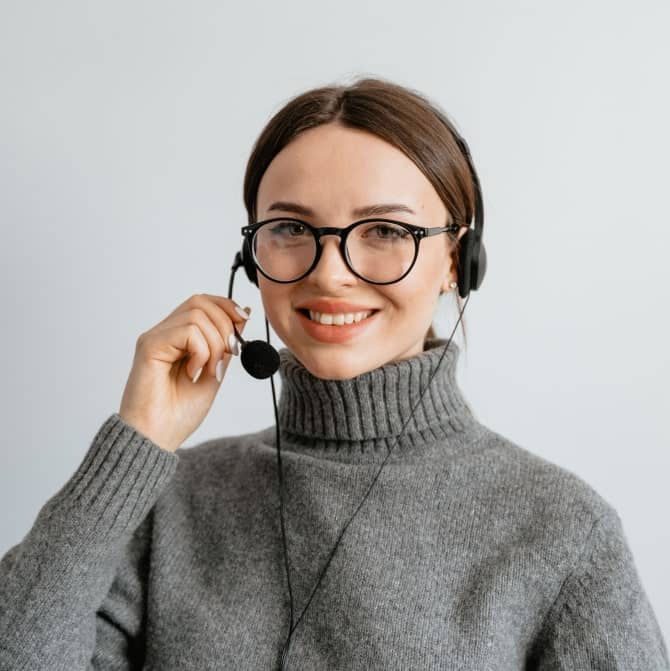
409	535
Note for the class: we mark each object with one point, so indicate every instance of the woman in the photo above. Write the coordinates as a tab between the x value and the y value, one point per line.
465	551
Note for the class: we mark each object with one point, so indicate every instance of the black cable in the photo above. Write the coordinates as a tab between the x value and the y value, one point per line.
284	654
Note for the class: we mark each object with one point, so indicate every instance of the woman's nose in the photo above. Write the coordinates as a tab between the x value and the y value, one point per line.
332	266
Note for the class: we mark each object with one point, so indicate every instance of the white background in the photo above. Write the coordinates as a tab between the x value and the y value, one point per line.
125	130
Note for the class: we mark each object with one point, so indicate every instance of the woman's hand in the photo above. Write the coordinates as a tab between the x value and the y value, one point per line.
161	400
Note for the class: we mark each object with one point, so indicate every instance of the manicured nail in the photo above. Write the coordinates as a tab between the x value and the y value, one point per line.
232	343
241	312
219	370
197	375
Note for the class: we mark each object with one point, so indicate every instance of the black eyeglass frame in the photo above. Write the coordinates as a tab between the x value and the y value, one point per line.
418	234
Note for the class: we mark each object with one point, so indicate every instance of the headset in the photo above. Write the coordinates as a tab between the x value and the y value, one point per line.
261	360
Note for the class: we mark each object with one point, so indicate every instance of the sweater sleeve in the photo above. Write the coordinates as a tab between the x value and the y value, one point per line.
54	582
602	618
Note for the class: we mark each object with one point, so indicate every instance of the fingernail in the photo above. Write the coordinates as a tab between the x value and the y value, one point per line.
219	370
232	343
197	375
241	312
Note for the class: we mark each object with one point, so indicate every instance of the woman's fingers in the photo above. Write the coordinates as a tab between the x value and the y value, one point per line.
159	398
214	317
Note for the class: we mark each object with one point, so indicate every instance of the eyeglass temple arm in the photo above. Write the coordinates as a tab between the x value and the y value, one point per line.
451	228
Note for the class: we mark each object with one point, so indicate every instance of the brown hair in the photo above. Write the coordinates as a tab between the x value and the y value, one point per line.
401	116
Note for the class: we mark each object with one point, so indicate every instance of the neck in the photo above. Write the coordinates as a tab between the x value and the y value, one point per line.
362	418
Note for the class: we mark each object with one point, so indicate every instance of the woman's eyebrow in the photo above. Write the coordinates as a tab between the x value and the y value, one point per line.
365	211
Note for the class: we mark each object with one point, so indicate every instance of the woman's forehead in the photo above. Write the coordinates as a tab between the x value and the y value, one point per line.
340	170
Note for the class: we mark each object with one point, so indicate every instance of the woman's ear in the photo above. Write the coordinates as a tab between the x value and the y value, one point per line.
453	257
450	276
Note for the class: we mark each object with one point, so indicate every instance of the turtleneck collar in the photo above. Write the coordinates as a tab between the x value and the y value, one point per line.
362	417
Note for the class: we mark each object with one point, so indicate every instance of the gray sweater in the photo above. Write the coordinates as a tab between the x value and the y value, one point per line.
469	553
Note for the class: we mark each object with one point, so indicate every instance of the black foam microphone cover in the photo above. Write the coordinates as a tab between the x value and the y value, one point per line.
259	359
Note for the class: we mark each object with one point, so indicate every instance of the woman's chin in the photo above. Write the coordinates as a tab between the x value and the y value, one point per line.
329	364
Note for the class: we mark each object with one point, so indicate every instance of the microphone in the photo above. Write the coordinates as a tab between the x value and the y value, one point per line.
259	358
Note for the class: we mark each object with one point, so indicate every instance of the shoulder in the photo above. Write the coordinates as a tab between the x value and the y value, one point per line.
538	512
514	478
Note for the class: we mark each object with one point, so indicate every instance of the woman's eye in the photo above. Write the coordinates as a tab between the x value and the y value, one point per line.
385	231
290	228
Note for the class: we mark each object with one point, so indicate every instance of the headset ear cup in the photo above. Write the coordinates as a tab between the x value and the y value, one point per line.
465	262
471	263
479	269
248	263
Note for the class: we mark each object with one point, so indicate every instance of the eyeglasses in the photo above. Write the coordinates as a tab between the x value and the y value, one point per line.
379	251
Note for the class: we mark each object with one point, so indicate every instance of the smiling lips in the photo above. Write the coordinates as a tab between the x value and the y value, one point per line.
334	328
335	321
338	319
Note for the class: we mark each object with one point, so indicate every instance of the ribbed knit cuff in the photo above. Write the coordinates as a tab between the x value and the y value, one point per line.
118	481
57	577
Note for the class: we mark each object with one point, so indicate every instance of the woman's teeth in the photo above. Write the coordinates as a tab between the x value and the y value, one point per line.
338	319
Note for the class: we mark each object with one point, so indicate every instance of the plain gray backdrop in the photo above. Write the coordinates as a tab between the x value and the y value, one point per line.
125	130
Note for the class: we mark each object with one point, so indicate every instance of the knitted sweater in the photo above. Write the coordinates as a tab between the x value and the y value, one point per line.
469	553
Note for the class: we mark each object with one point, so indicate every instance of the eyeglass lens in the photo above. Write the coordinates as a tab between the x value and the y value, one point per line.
378	251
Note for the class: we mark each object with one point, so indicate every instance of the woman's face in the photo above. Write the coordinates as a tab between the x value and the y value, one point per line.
333	170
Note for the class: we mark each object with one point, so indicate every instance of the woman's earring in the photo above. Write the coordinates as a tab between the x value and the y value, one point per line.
452	285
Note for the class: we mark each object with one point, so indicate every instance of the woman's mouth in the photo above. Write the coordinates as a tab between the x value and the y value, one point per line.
337	319
335	327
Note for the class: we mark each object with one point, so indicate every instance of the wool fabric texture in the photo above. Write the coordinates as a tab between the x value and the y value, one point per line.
469	553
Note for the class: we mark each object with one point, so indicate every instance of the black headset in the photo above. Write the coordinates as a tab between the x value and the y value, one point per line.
261	360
